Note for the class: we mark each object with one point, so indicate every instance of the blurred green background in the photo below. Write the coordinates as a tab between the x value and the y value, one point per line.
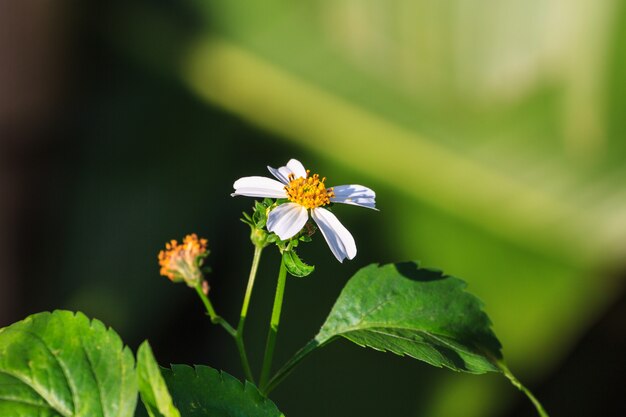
492	132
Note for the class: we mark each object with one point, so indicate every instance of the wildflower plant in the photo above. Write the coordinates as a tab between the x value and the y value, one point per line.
63	364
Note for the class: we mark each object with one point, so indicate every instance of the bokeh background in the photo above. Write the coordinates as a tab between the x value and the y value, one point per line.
492	131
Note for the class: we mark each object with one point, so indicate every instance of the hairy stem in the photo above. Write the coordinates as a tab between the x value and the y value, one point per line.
274	323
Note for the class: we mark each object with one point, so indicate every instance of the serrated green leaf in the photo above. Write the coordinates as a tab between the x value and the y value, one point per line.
206	392
422	313
295	266
408	310
62	364
152	388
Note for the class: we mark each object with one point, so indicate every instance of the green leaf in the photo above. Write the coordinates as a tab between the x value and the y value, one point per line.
63	365
152	388
418	312
295	266
305	238
206	392
259	217
408	310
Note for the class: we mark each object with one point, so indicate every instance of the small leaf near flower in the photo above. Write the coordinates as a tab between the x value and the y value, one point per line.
260	215
295	266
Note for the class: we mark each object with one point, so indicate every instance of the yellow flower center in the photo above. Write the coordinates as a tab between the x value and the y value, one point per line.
179	261
309	192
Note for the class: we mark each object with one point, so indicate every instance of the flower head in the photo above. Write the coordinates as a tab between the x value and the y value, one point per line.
182	262
307	194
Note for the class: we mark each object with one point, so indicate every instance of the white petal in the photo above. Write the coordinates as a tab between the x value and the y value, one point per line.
282	176
355	194
339	240
287	220
297	168
293	167
259	187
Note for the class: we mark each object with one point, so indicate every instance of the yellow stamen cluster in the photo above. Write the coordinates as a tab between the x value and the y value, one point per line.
309	192
181	262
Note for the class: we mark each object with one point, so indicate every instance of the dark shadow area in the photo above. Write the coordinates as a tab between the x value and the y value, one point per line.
412	271
586	383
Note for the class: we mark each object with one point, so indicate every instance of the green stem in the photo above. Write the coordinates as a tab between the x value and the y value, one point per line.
274	322
215	318
244	312
289	366
507	372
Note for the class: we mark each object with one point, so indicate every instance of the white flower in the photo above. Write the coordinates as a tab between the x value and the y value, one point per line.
307	192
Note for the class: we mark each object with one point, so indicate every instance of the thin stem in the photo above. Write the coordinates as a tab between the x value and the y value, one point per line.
274	322
246	299
244	312
505	370
289	366
215	318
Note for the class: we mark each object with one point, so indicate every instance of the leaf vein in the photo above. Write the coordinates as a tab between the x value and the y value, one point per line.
18	400
123	366
386	300
439	355
35	388
62	366
95	378
439	338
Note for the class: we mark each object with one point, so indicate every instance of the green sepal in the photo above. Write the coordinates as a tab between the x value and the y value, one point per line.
259	217
258	222
200	258
247	218
295	266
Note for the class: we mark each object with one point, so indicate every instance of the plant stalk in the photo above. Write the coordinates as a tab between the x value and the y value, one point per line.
244	313
288	367
274	323
215	318
507	372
